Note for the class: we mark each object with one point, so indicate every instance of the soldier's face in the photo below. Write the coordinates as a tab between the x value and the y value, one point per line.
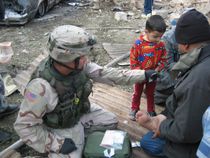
83	60
66	68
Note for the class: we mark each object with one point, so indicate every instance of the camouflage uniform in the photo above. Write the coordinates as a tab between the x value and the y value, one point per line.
41	98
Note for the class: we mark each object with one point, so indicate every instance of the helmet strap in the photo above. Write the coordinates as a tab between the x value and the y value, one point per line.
76	61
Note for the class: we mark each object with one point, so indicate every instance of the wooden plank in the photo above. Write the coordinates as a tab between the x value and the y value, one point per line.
118	59
115	50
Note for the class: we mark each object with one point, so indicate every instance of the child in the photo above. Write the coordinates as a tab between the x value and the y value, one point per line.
148	52
147	8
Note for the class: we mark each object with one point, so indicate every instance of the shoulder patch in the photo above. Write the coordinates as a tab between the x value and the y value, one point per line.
34	91
30	96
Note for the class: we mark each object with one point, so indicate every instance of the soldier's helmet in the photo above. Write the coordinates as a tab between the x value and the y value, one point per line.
68	42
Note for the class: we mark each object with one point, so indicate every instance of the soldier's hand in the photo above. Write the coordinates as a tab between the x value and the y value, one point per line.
151	75
68	146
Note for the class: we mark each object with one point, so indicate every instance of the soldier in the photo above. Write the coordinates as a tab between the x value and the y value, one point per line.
55	114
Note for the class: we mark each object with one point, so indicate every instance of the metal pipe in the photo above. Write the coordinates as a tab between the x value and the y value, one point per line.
14	146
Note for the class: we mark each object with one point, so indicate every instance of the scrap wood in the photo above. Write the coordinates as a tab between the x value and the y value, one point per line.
22	78
118	101
118	52
115	49
116	60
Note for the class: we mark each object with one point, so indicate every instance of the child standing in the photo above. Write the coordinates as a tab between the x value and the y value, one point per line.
147	53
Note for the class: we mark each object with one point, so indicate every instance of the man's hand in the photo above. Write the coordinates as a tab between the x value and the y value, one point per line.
151	75
159	119
68	146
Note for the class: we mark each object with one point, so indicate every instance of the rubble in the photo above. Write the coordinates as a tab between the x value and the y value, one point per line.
120	16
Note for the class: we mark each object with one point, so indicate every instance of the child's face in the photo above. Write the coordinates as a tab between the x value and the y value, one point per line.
153	36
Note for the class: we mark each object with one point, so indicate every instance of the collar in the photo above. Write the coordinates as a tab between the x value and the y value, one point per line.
189	59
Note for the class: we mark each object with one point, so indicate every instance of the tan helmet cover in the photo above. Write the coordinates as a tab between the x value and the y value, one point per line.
68	42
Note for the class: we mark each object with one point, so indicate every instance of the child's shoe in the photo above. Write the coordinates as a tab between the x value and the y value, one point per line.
132	115
152	113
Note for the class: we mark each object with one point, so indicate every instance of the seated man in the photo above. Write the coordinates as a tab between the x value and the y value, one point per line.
180	125
56	114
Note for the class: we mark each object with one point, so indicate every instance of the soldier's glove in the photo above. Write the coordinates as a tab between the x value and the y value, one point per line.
68	146
151	75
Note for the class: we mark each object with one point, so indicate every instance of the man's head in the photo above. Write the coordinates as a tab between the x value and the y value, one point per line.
155	27
68	44
192	28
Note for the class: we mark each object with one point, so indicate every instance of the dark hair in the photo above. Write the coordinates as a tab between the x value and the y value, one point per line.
156	23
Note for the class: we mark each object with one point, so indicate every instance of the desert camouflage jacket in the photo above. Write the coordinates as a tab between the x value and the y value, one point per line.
40	98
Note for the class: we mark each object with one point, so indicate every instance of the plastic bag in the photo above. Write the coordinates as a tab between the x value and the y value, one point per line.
6	52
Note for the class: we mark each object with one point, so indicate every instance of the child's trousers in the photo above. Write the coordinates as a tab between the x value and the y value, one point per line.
136	98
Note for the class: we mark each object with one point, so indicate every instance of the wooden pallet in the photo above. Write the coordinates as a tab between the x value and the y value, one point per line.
118	101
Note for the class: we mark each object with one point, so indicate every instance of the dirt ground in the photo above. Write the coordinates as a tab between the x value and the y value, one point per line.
30	40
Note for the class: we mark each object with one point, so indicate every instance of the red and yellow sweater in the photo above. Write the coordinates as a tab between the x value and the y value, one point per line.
147	55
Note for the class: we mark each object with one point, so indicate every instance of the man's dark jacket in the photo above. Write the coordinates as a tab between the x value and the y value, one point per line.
185	107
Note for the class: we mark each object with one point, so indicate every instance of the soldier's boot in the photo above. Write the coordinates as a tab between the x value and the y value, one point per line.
4	136
11	108
6	109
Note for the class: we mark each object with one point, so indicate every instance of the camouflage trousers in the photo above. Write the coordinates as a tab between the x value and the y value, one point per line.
97	119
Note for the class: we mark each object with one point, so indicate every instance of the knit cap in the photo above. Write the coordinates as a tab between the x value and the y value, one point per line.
192	27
